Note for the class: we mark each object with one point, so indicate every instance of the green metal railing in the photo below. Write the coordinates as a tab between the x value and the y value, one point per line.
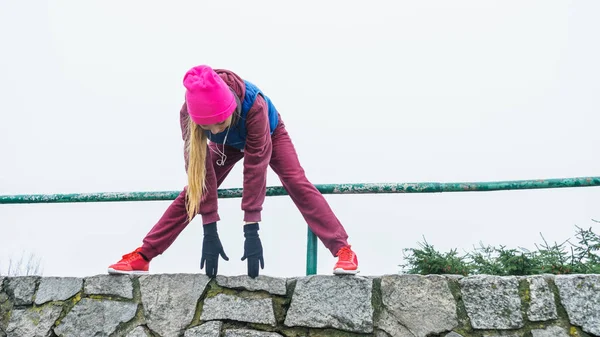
311	246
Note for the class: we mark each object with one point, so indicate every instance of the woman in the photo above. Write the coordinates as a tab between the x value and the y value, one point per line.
240	122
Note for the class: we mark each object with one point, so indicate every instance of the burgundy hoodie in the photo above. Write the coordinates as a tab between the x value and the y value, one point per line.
257	154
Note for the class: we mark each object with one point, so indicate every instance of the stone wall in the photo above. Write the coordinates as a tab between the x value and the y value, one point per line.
390	305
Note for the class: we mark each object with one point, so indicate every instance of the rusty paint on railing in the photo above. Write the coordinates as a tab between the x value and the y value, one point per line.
359	188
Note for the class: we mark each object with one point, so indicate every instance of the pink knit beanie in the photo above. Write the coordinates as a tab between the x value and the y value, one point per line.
208	98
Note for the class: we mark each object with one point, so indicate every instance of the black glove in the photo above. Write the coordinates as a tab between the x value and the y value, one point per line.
253	249
211	249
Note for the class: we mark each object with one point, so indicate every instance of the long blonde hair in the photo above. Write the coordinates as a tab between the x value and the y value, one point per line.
196	149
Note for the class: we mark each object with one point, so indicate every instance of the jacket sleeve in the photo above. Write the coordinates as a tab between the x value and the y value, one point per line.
257	154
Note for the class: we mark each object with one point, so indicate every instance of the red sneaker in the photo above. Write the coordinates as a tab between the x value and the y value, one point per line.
347	262
132	264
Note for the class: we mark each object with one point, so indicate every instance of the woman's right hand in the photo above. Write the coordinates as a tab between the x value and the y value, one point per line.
253	250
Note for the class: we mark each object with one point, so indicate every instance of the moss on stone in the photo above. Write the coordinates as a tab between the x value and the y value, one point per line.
523	331
107	298
5	310
75	299
524	291
35	320
577	332
197	313
294	332
233	325
334	333
282	304
67	306
200	304
139	319
465	331
137	289
280	307
261	327
573	332
38	310
525	296
379	332
561	312
125	327
464	323
376	300
256	294
213	289
290	288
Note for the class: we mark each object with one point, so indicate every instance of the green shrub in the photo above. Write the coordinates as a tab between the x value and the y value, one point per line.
581	257
427	260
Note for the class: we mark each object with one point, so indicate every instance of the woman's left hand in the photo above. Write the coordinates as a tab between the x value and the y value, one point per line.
253	250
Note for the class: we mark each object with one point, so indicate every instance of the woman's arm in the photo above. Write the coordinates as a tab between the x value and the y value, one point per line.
257	154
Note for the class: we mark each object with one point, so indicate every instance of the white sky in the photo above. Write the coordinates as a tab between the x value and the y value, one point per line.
373	91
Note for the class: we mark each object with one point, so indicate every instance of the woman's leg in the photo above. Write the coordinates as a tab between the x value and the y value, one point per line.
309	201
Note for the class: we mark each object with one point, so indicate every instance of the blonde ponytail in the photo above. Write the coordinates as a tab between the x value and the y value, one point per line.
196	149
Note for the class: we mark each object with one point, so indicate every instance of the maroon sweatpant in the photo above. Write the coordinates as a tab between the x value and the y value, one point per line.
284	162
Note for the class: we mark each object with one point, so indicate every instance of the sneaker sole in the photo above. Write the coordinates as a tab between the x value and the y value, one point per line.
340	271
122	272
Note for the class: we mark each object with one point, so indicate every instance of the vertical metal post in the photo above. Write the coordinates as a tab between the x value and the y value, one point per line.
311	253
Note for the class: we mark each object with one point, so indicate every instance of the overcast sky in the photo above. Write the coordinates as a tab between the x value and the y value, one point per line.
396	91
